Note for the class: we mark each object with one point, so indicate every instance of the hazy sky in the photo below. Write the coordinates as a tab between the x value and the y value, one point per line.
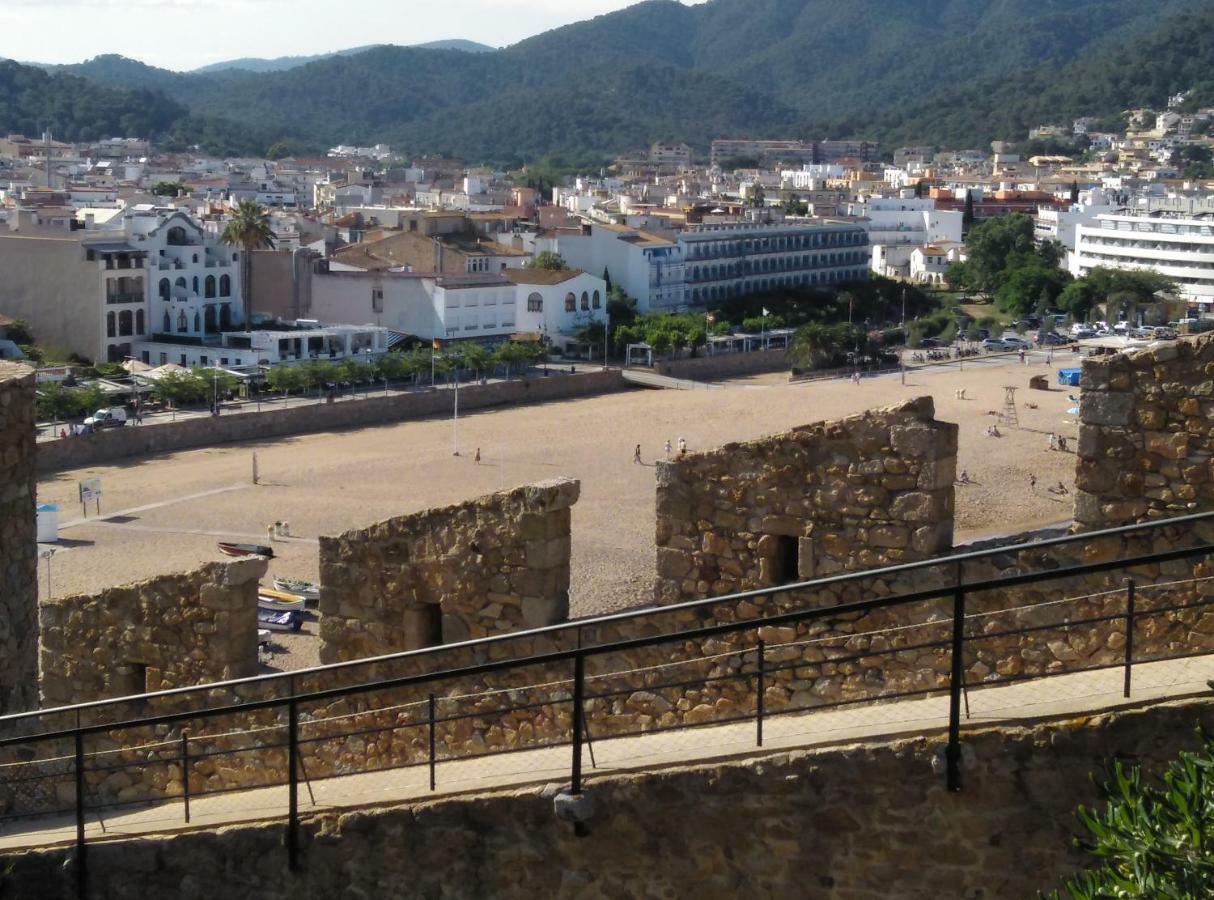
185	34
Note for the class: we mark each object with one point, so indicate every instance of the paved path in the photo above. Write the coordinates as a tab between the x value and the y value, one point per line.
1060	696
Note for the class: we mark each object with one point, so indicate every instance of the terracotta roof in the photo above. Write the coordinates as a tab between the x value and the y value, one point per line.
541	276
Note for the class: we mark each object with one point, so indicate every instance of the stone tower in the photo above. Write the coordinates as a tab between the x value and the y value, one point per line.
18	542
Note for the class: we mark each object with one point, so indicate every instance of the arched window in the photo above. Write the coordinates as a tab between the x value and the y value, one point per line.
570	302
535	303
585	301
195	259
209	285
195	284
596	301
168	323
165	287
139	321
183	324
225	286
176	237
197	322
126	323
180	282
109	325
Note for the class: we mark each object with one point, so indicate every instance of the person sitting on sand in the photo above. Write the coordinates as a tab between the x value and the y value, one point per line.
964	477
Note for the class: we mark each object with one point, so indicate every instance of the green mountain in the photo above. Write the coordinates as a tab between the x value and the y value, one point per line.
956	72
283	63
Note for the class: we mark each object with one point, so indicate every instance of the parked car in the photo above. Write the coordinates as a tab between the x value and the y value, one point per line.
1143	332
1165	334
996	344
1051	339
930	343
1083	334
114	417
1017	343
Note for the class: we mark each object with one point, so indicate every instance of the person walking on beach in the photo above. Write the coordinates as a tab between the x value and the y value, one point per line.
636	455
1053	441
477	458
682	447
668	448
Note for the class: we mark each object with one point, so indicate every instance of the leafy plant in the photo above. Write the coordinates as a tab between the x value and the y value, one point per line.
1152	842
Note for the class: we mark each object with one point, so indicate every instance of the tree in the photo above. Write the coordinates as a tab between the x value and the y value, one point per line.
168	189
546	259
1074	192
286	379
476	358
1151	841
1029	282
249	228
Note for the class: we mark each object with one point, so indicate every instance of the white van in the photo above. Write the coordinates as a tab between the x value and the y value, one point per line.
114	417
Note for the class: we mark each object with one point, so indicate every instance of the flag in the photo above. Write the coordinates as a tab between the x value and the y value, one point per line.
436	344
765	312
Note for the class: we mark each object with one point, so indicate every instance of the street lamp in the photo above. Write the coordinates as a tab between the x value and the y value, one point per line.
370	372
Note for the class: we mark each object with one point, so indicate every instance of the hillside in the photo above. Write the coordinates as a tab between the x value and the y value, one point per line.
957	72
283	63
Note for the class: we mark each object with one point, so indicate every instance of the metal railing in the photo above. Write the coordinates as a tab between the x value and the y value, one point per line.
579	687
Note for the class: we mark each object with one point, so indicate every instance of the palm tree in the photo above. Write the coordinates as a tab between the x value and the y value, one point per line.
249	228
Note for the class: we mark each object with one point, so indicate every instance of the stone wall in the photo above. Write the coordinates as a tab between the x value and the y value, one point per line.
725	365
489	566
1146	435
168	632
117	443
858	822
870	490
18	545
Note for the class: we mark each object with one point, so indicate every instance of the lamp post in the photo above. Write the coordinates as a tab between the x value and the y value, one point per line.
455	418
370	372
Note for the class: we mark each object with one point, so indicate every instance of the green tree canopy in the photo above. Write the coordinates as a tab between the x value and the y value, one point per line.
546	259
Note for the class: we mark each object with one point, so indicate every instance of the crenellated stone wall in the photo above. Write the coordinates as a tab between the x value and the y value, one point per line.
492	565
865	491
167	632
18	542
1146	435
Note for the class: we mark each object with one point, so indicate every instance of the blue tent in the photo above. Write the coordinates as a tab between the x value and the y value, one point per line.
1069	377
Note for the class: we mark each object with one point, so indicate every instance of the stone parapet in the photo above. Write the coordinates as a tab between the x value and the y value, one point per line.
493	565
1146	435
18	541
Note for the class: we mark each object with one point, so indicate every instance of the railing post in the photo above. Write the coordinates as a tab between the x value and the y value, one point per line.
81	850
760	689
1129	632
579	702
185	771
432	726
953	751
293	784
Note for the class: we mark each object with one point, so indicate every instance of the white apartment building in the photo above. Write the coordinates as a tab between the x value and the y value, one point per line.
1060	224
645	265
1177	246
906	220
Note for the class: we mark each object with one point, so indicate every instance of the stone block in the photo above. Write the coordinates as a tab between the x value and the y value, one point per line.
1105	408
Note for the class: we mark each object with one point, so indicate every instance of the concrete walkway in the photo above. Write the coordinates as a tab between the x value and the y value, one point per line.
1062	696
646	378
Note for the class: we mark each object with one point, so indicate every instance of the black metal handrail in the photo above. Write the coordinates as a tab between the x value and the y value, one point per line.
578	626
578	696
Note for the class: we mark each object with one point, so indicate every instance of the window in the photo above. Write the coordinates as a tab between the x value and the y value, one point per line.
786	565
585	301
182	323
165	288
176	236
210	287
225	286
535	303
197	321
126	322
168	324
180	282
570	303
109	325
196	285
377	300
139	329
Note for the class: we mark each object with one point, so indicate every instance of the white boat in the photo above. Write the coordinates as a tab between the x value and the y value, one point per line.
306	589
279	601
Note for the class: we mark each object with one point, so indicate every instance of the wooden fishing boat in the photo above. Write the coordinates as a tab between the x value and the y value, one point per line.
271	620
306	589
279	601
239	550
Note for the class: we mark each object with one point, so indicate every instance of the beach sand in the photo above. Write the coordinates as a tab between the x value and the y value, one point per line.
173	508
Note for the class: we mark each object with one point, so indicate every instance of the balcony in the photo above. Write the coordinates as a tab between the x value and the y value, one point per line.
124	297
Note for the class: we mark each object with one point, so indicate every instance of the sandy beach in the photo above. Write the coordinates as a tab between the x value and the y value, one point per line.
166	513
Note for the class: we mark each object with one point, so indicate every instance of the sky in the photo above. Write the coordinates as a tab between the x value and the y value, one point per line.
185	34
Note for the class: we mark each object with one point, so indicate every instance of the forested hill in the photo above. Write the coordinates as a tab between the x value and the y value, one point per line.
956	72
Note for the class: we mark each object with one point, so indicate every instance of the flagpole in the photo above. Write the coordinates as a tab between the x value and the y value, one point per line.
455	418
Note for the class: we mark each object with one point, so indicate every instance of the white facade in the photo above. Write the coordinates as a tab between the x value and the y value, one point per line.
189	286
1178	248
559	305
907	220
645	266
269	348
1059	225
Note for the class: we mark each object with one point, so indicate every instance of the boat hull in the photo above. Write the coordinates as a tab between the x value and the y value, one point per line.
239	550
